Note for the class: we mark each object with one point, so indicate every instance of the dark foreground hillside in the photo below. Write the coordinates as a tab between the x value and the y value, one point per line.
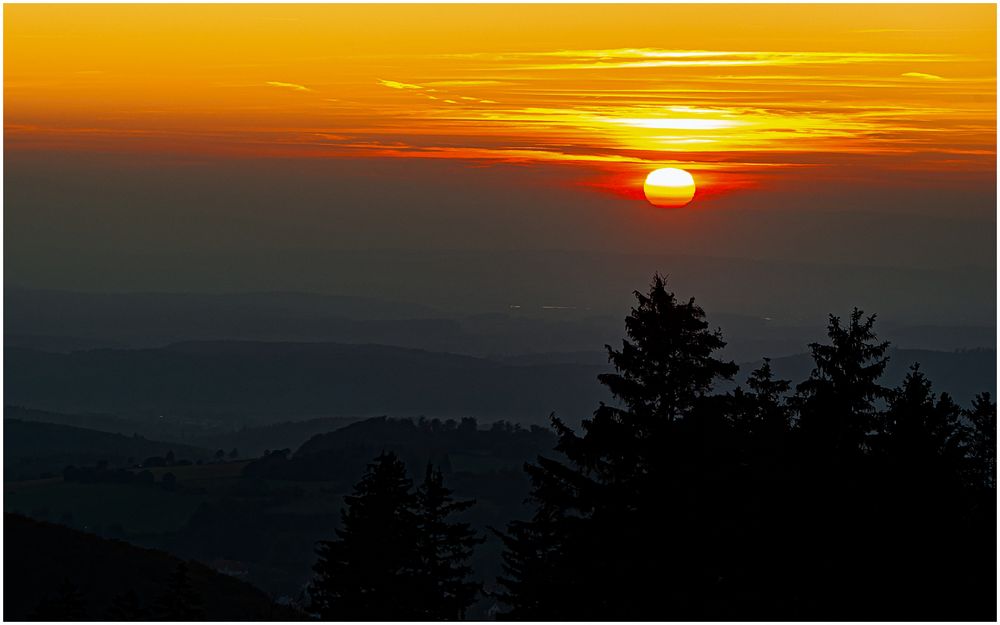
263	516
52	572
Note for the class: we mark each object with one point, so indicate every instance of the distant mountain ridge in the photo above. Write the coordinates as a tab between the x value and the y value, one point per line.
65	321
268	382
254	383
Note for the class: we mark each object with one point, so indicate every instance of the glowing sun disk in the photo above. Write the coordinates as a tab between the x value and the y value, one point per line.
669	187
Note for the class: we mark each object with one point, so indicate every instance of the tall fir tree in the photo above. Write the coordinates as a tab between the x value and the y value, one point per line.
980	548
371	572
837	405
444	550
667	361
982	442
603	542
921	432
918	456
761	410
180	601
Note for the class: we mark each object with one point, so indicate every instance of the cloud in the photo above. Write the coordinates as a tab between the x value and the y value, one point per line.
673	123
888	30
392	84
287	85
464	83
922	75
628	58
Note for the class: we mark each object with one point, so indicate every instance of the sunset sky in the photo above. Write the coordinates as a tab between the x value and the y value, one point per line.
776	109
733	93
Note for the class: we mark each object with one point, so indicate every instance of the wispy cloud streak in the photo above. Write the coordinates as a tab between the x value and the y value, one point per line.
287	85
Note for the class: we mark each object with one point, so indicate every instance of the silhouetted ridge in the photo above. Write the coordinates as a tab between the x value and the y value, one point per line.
35	449
341	454
57	573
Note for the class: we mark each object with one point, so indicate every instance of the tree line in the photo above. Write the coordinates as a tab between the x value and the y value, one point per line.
397	556
838	499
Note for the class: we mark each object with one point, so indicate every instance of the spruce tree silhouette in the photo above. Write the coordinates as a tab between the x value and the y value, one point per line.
919	451
751	471
982	442
920	432
979	551
666	363
444	550
762	411
606	539
180	601
371	571
837	404
838	413
676	503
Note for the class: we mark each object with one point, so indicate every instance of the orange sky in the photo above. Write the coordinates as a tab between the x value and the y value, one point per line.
733	93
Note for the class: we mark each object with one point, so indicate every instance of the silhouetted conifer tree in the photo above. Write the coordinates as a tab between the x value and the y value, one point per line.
180	601
919	431
977	588
838	488
370	572
444	549
678	504
982	441
666	364
761	410
837	404
918	458
606	541
536	583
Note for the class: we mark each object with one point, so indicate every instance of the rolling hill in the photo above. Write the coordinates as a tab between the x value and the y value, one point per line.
258	382
33	449
231	384
42	560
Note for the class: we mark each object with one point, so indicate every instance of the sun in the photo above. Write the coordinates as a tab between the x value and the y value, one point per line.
669	187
